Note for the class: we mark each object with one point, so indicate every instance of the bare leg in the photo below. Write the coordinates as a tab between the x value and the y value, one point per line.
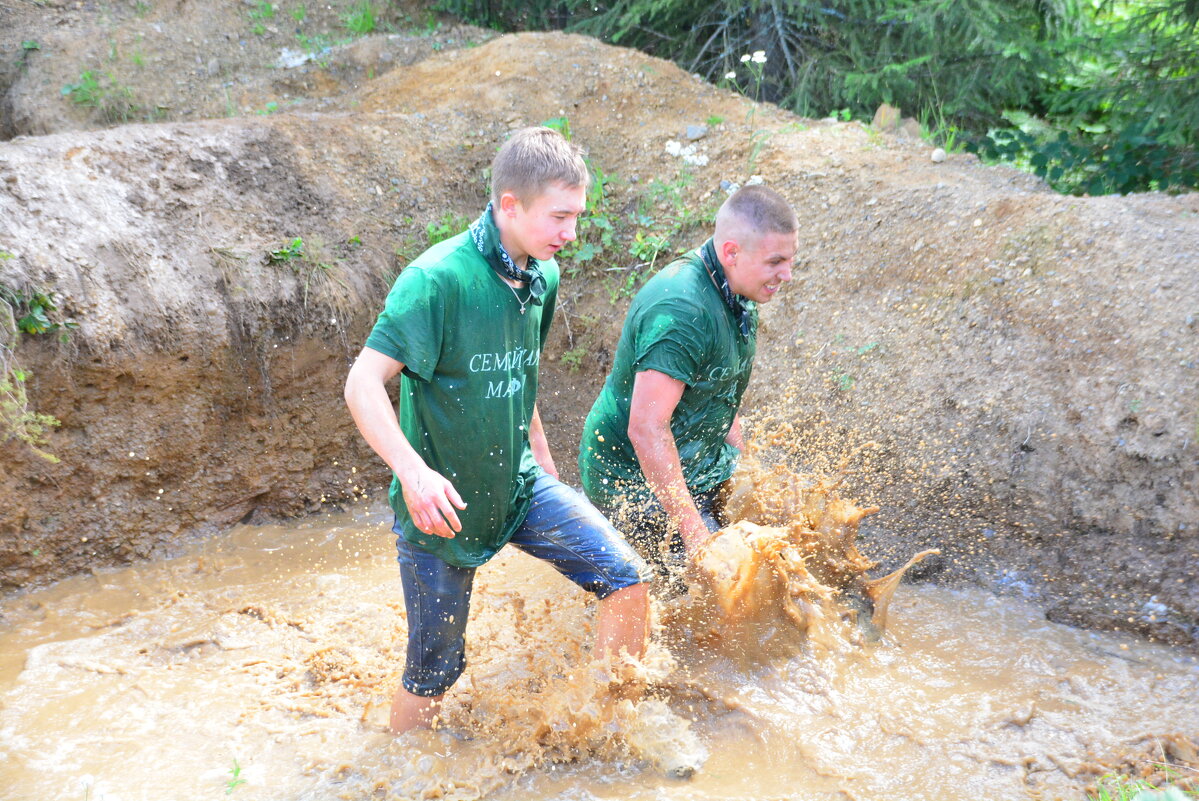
623	622
410	711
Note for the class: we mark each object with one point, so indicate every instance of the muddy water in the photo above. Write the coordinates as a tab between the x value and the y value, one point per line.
274	648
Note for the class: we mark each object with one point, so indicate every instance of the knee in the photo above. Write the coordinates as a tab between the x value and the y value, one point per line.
634	594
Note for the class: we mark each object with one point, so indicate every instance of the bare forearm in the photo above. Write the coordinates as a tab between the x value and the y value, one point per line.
659	458
540	445
376	419
735	437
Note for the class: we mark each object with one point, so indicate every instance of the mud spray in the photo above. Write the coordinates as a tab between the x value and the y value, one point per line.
261	665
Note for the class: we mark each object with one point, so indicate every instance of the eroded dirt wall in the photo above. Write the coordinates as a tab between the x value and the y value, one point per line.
204	380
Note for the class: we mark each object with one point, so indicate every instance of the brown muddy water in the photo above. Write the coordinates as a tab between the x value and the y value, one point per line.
259	666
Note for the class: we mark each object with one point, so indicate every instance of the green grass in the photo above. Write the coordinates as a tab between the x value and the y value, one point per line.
111	100
264	10
316	268
449	225
290	251
573	358
360	20
665	218
1114	787
24	313
235	779
84	92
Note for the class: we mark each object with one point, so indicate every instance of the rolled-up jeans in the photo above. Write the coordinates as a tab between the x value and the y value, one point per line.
562	527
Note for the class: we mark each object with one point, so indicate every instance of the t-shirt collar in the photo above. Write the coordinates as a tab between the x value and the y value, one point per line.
737	304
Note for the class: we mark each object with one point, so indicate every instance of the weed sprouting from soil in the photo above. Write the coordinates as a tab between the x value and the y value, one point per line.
235	779
111	100
448	225
263	11
290	251
573	358
361	19
31	313
320	274
1116	787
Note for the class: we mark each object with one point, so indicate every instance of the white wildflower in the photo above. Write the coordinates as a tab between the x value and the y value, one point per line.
745	58
759	57
728	76
673	148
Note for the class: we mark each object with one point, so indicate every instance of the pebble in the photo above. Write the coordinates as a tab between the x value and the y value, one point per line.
938	155
696	132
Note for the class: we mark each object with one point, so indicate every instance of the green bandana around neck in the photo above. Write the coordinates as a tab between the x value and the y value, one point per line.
486	237
735	302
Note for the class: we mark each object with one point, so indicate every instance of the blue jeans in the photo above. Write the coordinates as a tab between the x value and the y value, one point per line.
562	528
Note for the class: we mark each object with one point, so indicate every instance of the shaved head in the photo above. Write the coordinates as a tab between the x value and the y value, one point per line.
751	212
756	239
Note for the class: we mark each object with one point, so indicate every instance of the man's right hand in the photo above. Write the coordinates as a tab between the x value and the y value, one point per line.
694	533
431	498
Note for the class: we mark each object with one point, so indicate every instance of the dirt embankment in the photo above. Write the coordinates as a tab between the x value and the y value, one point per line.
1026	362
74	65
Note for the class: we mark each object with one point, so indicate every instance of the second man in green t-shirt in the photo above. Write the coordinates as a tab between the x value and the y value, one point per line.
664	432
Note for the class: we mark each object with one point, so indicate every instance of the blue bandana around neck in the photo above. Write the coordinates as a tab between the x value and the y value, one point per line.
736	303
486	237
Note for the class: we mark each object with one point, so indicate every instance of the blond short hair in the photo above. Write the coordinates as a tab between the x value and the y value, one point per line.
534	158
762	208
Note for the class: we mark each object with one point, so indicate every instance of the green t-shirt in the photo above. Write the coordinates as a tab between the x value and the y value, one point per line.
678	324
467	390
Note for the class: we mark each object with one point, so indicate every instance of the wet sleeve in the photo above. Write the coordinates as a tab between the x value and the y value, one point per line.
410	327
670	339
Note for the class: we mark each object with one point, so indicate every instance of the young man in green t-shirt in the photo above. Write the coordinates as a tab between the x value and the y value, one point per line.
464	326
664	432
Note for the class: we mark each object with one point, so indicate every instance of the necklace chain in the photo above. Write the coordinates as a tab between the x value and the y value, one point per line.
522	303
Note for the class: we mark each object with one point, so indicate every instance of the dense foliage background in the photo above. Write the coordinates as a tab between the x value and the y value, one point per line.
1096	96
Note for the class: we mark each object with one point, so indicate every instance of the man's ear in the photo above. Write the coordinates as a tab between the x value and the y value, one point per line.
728	252
508	203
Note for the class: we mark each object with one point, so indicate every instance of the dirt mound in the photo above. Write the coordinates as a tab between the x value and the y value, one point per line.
1026	361
93	65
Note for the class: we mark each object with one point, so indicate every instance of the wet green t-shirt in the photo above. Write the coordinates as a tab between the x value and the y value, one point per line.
678	324
467	390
